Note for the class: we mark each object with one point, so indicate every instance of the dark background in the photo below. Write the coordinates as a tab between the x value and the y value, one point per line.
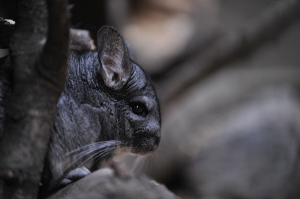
228	77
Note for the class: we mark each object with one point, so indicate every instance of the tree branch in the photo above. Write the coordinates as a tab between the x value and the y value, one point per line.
6	28
55	53
38	81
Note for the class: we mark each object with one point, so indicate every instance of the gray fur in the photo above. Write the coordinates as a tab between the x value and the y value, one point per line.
96	107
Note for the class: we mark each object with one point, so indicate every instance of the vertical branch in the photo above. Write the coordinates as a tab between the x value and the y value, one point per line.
39	75
55	53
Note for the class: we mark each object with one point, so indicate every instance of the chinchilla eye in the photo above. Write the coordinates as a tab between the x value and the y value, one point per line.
138	108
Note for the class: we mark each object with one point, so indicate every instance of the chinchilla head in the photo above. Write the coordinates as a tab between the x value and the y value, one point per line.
107	97
131	92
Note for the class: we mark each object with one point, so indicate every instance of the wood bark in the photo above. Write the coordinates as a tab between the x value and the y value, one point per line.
39	52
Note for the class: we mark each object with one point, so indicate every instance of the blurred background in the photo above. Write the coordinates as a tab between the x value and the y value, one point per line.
227	75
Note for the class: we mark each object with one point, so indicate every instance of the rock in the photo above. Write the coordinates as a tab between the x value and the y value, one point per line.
104	184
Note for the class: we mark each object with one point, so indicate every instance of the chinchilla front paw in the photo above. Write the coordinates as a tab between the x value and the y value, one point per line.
74	175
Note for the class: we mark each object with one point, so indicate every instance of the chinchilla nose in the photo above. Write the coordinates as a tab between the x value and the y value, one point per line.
153	127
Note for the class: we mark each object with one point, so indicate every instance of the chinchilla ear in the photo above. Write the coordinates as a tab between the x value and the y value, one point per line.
114	58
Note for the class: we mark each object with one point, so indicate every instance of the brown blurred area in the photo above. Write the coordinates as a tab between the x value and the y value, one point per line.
227	73
228	77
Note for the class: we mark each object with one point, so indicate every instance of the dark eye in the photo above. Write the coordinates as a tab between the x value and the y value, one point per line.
138	108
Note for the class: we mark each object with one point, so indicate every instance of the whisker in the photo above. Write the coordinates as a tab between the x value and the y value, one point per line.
87	152
83	154
136	163
102	144
104	154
